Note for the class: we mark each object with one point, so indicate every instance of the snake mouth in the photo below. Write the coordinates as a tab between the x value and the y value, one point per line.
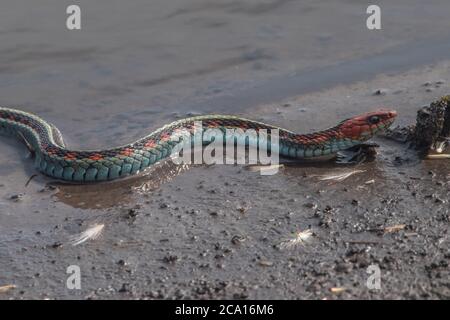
386	124
387	119
390	121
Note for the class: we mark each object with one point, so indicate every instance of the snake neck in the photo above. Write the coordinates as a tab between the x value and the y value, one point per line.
320	143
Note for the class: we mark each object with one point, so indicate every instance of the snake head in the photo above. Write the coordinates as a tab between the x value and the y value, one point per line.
366	125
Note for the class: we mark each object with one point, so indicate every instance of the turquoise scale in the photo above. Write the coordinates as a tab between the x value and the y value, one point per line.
91	174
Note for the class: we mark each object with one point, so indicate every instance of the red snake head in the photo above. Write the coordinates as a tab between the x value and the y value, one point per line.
366	125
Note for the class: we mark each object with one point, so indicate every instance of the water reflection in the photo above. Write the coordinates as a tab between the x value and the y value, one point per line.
119	192
381	168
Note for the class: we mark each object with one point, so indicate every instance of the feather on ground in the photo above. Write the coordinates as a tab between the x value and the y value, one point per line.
93	232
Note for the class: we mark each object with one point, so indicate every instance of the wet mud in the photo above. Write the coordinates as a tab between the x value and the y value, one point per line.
221	231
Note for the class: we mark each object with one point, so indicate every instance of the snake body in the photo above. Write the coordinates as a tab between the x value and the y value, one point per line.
53	158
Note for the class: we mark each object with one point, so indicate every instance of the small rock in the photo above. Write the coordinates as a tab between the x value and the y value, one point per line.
122	262
265	263
242	209
311	205
125	288
163	206
16	197
439	200
170	259
380	92
214	213
132	213
237	239
241	295
57	245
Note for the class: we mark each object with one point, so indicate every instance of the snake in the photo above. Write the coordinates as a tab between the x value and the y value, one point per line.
53	159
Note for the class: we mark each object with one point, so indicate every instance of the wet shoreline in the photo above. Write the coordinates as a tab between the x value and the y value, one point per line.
177	240
215	231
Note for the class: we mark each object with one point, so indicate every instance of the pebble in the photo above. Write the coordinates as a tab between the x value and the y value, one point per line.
171	259
242	209
237	239
214	213
132	213
380	92
57	245
16	197
439	200
125	288
163	206
122	262
265	263
311	205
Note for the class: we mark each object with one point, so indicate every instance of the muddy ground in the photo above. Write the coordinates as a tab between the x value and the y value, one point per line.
217	232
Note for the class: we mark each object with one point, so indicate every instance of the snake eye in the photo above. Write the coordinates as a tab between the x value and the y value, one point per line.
374	119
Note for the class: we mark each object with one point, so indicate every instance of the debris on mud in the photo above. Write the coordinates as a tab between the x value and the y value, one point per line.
431	131
301	237
6	288
339	176
433	125
93	232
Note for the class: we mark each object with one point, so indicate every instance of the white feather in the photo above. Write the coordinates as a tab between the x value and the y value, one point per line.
265	168
340	176
92	232
300	238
